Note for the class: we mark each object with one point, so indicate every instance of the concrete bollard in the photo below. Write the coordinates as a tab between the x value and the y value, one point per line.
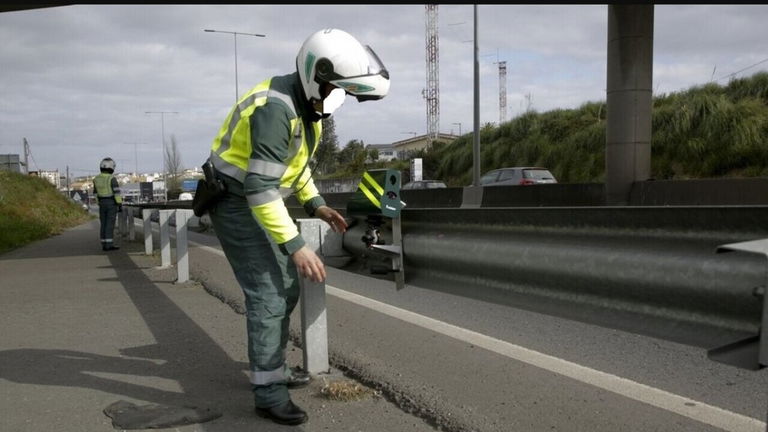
122	228
131	223
165	238
146	216
314	325
182	251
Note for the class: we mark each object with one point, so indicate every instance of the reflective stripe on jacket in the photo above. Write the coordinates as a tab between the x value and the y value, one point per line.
266	143
105	185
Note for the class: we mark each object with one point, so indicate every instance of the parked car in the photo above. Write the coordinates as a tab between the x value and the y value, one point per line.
424	184
517	176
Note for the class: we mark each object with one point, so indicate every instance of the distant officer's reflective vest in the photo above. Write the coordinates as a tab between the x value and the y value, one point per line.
232	153
102	183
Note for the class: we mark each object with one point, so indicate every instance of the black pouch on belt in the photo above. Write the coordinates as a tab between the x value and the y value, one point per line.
209	191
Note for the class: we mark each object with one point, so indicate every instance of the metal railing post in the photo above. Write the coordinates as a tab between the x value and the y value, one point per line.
314	326
146	216
182	255
397	240
165	238
121	224
131	223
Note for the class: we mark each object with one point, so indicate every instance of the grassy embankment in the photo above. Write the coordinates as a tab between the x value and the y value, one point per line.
32	209
707	131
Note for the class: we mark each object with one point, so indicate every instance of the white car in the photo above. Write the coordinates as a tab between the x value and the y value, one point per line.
517	176
424	184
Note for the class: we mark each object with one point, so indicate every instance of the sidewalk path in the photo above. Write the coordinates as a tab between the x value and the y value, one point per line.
83	329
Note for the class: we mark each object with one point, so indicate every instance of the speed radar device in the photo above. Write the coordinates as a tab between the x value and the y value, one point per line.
375	233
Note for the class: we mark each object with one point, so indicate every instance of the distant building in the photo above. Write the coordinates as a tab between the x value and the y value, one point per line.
386	151
10	162
52	177
405	147
143	191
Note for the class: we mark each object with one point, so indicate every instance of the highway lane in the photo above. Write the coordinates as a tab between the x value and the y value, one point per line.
673	367
679	388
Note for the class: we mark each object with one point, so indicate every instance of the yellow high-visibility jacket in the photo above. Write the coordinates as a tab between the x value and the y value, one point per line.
266	143
105	185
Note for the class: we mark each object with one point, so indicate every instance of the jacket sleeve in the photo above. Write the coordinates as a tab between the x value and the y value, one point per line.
116	190
270	128
308	195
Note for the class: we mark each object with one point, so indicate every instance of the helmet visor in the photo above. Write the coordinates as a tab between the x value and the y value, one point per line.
370	86
375	66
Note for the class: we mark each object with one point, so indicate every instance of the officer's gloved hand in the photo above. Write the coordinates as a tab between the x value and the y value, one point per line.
119	208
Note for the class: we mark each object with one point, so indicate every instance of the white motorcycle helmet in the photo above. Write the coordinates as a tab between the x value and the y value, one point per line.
334	56
107	164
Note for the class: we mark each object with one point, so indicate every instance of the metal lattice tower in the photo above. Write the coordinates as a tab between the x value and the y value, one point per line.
502	92
432	92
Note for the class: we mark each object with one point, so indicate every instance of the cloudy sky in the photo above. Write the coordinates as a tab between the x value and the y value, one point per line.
77	81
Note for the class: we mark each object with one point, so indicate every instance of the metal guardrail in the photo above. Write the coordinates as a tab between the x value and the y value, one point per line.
127	229
647	270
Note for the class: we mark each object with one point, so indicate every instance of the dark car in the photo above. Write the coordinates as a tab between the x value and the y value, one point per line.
517	176
424	184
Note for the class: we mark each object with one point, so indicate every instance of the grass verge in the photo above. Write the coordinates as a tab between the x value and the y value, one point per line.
32	209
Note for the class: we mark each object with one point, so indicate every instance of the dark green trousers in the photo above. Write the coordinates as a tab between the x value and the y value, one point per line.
271	288
107	216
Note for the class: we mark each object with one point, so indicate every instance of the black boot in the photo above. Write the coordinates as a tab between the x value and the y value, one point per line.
286	413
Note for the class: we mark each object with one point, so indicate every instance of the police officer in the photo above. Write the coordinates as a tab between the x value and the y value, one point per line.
262	153
107	190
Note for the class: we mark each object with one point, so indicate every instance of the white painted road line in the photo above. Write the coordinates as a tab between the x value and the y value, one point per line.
693	409
699	411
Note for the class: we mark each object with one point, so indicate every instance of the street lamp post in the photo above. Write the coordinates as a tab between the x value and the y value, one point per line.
135	156
162	131
234	34
476	137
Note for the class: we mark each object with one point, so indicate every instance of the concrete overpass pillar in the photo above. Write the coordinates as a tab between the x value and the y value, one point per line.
629	100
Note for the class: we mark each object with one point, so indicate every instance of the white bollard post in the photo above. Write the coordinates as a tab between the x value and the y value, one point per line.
121	225
182	251
314	325
146	216
165	238
131	223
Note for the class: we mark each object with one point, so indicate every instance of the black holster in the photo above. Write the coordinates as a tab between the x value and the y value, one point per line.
209	191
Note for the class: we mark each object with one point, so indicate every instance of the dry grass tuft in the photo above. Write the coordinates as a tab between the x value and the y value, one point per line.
345	391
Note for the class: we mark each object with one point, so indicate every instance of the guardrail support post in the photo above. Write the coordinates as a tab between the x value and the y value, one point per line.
122	224
397	240
131	223
752	352
165	238
146	220
182	256
314	326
